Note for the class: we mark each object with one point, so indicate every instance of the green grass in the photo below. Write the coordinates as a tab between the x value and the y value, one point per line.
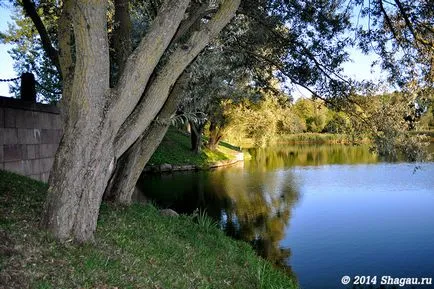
175	150
134	247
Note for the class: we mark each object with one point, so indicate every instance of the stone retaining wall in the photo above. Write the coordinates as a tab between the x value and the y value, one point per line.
29	136
164	168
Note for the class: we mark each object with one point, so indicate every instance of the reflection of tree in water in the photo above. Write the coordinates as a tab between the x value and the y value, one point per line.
257	209
308	155
251	206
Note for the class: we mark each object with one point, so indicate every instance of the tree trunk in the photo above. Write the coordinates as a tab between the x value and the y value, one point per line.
131	164
133	161
214	136
94	112
196	136
80	173
85	156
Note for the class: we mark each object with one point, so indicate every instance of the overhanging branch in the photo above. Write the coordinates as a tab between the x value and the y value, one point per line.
52	53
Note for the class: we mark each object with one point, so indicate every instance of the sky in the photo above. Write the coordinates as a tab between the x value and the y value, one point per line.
6	62
359	68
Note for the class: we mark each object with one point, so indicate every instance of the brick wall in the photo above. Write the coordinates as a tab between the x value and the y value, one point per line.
29	137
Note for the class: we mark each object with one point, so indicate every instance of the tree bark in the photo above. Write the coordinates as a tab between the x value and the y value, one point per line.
132	162
66	59
85	156
156	93
142	63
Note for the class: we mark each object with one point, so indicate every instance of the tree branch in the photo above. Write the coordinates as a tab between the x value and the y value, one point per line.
52	53
158	90
388	21
406	19
66	59
197	11
142	62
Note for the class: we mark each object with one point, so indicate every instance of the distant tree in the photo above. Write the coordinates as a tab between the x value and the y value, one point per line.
388	119
338	122
313	113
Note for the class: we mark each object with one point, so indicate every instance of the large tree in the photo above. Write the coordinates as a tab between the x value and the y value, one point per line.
101	120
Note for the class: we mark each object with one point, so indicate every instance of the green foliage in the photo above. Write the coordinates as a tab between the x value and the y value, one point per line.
388	120
269	119
313	113
426	102
401	33
135	247
314	138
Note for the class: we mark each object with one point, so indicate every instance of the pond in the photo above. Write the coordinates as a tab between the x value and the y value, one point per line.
318	212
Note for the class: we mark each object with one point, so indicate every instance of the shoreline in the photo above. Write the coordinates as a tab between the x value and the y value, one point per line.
168	168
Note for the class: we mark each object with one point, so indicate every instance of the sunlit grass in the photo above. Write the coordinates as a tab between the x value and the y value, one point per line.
175	149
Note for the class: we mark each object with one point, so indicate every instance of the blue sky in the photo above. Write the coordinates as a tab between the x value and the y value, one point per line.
6	68
359	68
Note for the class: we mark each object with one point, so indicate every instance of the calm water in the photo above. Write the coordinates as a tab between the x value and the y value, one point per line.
320	212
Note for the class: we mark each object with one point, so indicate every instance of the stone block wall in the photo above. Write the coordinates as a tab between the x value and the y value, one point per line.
29	136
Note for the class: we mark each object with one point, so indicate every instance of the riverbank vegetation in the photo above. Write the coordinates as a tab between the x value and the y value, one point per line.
395	126
134	247
175	149
390	122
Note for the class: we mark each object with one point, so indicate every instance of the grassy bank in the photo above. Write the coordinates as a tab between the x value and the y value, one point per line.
175	149
134	247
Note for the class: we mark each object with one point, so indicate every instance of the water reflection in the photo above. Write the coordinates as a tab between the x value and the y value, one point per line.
254	207
309	155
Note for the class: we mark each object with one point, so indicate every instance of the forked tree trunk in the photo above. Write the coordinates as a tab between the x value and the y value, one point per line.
131	164
85	158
